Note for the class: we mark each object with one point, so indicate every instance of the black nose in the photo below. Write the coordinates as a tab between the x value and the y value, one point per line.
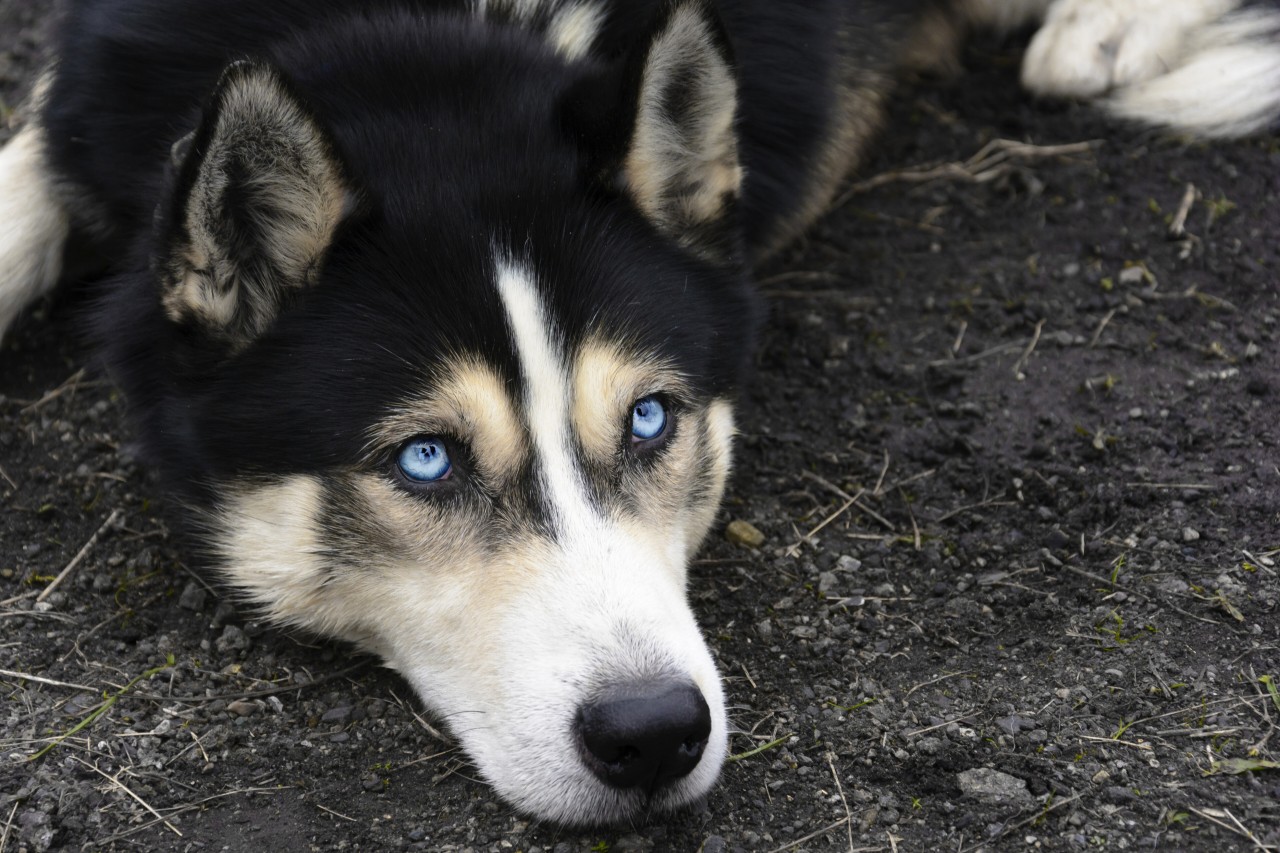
645	734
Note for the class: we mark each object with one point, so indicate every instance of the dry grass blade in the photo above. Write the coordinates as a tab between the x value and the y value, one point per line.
848	815
8	827
26	676
123	787
991	161
80	555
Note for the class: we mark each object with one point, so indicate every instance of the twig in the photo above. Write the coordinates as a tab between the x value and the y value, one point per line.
999	349
174	812
1203	487
791	845
75	561
935	681
335	814
989	163
915	528
880	480
1178	227
888	525
8	825
8	479
1026	354
848	815
123	787
1097	333
26	676
967	507
959	341
1238	829
71	383
825	483
794	549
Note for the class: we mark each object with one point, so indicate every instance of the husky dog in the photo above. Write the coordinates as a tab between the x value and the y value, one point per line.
435	312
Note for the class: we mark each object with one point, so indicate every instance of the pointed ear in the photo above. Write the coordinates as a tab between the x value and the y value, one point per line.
259	195
661	124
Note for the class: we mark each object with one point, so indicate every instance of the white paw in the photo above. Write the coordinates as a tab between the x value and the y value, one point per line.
33	227
1087	48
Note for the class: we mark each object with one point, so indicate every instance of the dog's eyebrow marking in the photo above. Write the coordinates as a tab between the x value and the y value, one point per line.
607	381
547	400
468	399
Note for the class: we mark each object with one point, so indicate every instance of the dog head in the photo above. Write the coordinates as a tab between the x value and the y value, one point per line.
450	344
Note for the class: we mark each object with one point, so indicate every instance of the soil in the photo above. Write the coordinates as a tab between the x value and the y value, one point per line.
1048	620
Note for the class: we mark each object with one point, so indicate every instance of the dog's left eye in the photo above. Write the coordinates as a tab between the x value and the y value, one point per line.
648	419
424	460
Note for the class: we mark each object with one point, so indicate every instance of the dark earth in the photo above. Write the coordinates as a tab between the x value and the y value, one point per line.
1013	451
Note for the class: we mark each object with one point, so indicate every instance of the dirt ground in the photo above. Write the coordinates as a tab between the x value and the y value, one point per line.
1012	447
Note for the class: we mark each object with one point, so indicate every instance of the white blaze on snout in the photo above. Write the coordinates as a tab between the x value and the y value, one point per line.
547	403
604	602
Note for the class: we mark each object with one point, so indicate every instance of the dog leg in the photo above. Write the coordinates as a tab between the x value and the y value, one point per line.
1203	66
33	225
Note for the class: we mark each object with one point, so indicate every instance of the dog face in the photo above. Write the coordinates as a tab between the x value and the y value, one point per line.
468	405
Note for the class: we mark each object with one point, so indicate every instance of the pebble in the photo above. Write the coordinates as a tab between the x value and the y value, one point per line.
1190	534
193	597
848	564
337	716
243	708
992	786
929	745
743	533
232	640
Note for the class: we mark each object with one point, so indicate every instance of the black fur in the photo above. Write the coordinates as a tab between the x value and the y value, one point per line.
455	133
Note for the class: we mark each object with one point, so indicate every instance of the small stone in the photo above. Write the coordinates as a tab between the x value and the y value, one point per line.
232	640
193	597
242	708
1013	724
337	716
1190	534
1119	794
1132	275
740	532
826	582
714	844
992	786
929	745
632	844
848	564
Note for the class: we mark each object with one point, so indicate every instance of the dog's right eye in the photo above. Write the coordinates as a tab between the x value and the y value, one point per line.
424	460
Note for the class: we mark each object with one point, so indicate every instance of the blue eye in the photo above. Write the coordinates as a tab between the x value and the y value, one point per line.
424	460
648	419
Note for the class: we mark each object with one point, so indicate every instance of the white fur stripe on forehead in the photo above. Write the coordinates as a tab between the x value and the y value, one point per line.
547	398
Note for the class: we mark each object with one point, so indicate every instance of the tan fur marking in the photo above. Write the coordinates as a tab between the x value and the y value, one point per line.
574	28
470	401
607	380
